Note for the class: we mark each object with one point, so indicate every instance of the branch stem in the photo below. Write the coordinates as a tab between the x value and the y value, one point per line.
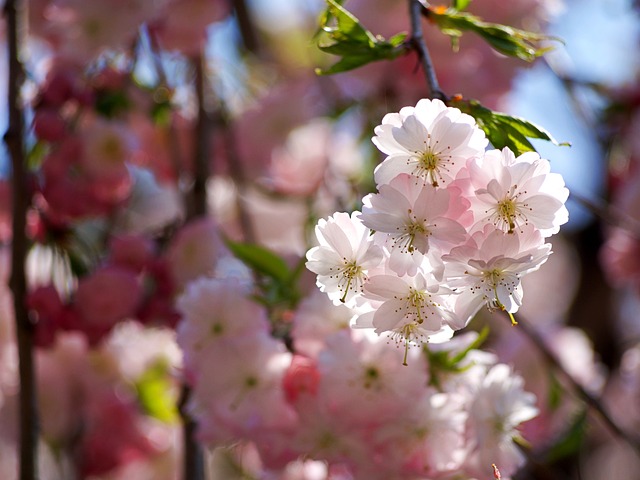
591	400
14	139
418	42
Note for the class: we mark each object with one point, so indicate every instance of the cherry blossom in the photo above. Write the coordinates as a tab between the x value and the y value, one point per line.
344	256
431	141
415	215
411	309
488	268
511	192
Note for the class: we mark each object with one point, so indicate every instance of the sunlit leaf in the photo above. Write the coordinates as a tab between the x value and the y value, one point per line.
156	393
504	130
506	40
261	260
342	35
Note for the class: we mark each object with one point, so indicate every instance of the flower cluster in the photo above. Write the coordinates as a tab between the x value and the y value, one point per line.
343	402
451	228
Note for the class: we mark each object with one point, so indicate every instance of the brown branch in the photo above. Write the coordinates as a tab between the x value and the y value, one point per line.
246	26
197	206
591	400
236	171
418	43
14	138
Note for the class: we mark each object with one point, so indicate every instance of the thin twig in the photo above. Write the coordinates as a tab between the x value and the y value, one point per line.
198	202
174	147
418	42
14	138
590	399
608	213
236	171
196	208
246	26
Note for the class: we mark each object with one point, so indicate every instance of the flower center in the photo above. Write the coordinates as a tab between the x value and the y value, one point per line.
507	210
352	278
428	162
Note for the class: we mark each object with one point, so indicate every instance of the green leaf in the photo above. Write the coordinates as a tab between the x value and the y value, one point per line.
502	38
342	34
460	4
571	441
447	361
504	130
156	393
261	260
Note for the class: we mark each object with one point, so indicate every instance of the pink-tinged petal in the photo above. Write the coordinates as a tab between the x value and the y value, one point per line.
364	320
385	141
505	298
455	137
428	110
412	135
383	287
467	305
403	263
540	211
393	166
384	222
448	231
389	316
431	202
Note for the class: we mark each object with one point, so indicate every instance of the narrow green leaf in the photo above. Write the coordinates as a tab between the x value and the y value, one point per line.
261	260
460	4
342	34
571	441
504	130
502	38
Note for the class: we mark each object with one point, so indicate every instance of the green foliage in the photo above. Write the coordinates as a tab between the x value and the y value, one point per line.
450	362
261	260
509	41
460	4
155	393
503	130
571	442
276	280
342	34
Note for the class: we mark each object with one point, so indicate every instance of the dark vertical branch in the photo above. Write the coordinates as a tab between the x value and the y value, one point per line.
196	208
14	138
417	40
198	202
246	26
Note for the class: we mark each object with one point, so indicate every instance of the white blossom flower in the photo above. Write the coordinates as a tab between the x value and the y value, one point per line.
430	141
511	192
499	406
409	217
487	270
411	309
344	256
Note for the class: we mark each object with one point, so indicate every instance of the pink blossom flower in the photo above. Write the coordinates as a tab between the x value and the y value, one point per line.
487	270
512	192
215	311
194	251
105	297
412	308
345	255
414	215
498	407
430	141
